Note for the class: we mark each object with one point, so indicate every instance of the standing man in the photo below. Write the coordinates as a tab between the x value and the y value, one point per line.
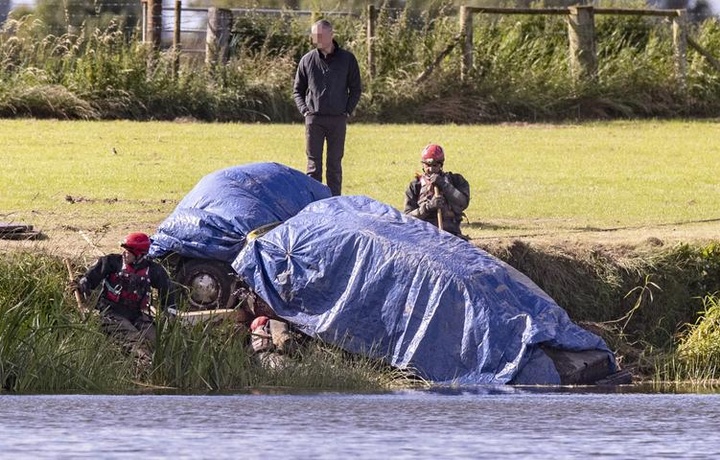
327	89
126	281
437	196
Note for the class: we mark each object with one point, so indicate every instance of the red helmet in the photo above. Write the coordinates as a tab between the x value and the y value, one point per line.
433	153
138	243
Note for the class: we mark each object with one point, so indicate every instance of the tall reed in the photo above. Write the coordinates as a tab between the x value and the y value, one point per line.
698	353
44	343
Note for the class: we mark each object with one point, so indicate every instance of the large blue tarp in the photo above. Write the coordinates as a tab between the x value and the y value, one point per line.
358	273
213	220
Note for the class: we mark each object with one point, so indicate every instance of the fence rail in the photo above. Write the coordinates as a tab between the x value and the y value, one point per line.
566	11
581	35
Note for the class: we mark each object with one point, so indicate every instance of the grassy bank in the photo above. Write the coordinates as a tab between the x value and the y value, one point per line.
521	71
649	302
653	309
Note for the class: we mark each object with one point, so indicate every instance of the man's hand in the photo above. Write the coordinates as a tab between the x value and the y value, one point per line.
424	209
439	180
433	204
437	202
83	287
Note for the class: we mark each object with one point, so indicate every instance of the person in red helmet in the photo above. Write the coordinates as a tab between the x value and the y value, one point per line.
126	282
437	196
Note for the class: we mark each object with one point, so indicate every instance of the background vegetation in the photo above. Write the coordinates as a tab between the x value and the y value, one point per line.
521	71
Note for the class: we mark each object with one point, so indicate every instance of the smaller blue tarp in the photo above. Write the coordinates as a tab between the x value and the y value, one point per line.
360	274
215	217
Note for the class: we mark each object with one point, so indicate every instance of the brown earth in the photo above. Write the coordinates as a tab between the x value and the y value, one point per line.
622	239
75	236
86	240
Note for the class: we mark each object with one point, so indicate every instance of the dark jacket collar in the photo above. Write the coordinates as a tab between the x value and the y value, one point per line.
336	47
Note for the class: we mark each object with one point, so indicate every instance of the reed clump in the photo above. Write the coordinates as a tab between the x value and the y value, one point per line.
47	344
521	71
698	354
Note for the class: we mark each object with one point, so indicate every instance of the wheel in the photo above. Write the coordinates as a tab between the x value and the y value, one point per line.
208	283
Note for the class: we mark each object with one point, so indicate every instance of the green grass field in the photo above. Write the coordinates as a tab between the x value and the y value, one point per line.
599	175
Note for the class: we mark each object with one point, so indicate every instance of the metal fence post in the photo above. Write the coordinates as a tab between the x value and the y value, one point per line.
144	19
371	20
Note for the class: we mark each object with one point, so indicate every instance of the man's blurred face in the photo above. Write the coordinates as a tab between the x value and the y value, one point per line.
322	37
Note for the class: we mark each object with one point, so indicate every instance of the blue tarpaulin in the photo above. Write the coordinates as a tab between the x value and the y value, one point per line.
358	273
215	217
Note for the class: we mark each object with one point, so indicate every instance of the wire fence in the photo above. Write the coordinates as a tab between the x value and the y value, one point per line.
193	23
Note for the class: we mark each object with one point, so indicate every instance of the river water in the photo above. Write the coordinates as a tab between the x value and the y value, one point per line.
488	422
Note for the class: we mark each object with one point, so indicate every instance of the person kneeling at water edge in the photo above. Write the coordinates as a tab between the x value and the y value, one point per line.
127	280
273	341
436	196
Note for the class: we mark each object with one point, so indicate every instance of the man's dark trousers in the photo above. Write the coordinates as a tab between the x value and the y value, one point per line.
332	128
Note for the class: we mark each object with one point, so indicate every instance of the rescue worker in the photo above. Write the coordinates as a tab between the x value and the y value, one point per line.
126	282
272	341
436	191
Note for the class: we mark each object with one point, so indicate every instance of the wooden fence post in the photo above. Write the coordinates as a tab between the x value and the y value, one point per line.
466	32
217	42
581	35
371	20
176	38
680	43
144	20
154	23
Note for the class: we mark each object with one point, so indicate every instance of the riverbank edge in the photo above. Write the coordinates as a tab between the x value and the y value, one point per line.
640	299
